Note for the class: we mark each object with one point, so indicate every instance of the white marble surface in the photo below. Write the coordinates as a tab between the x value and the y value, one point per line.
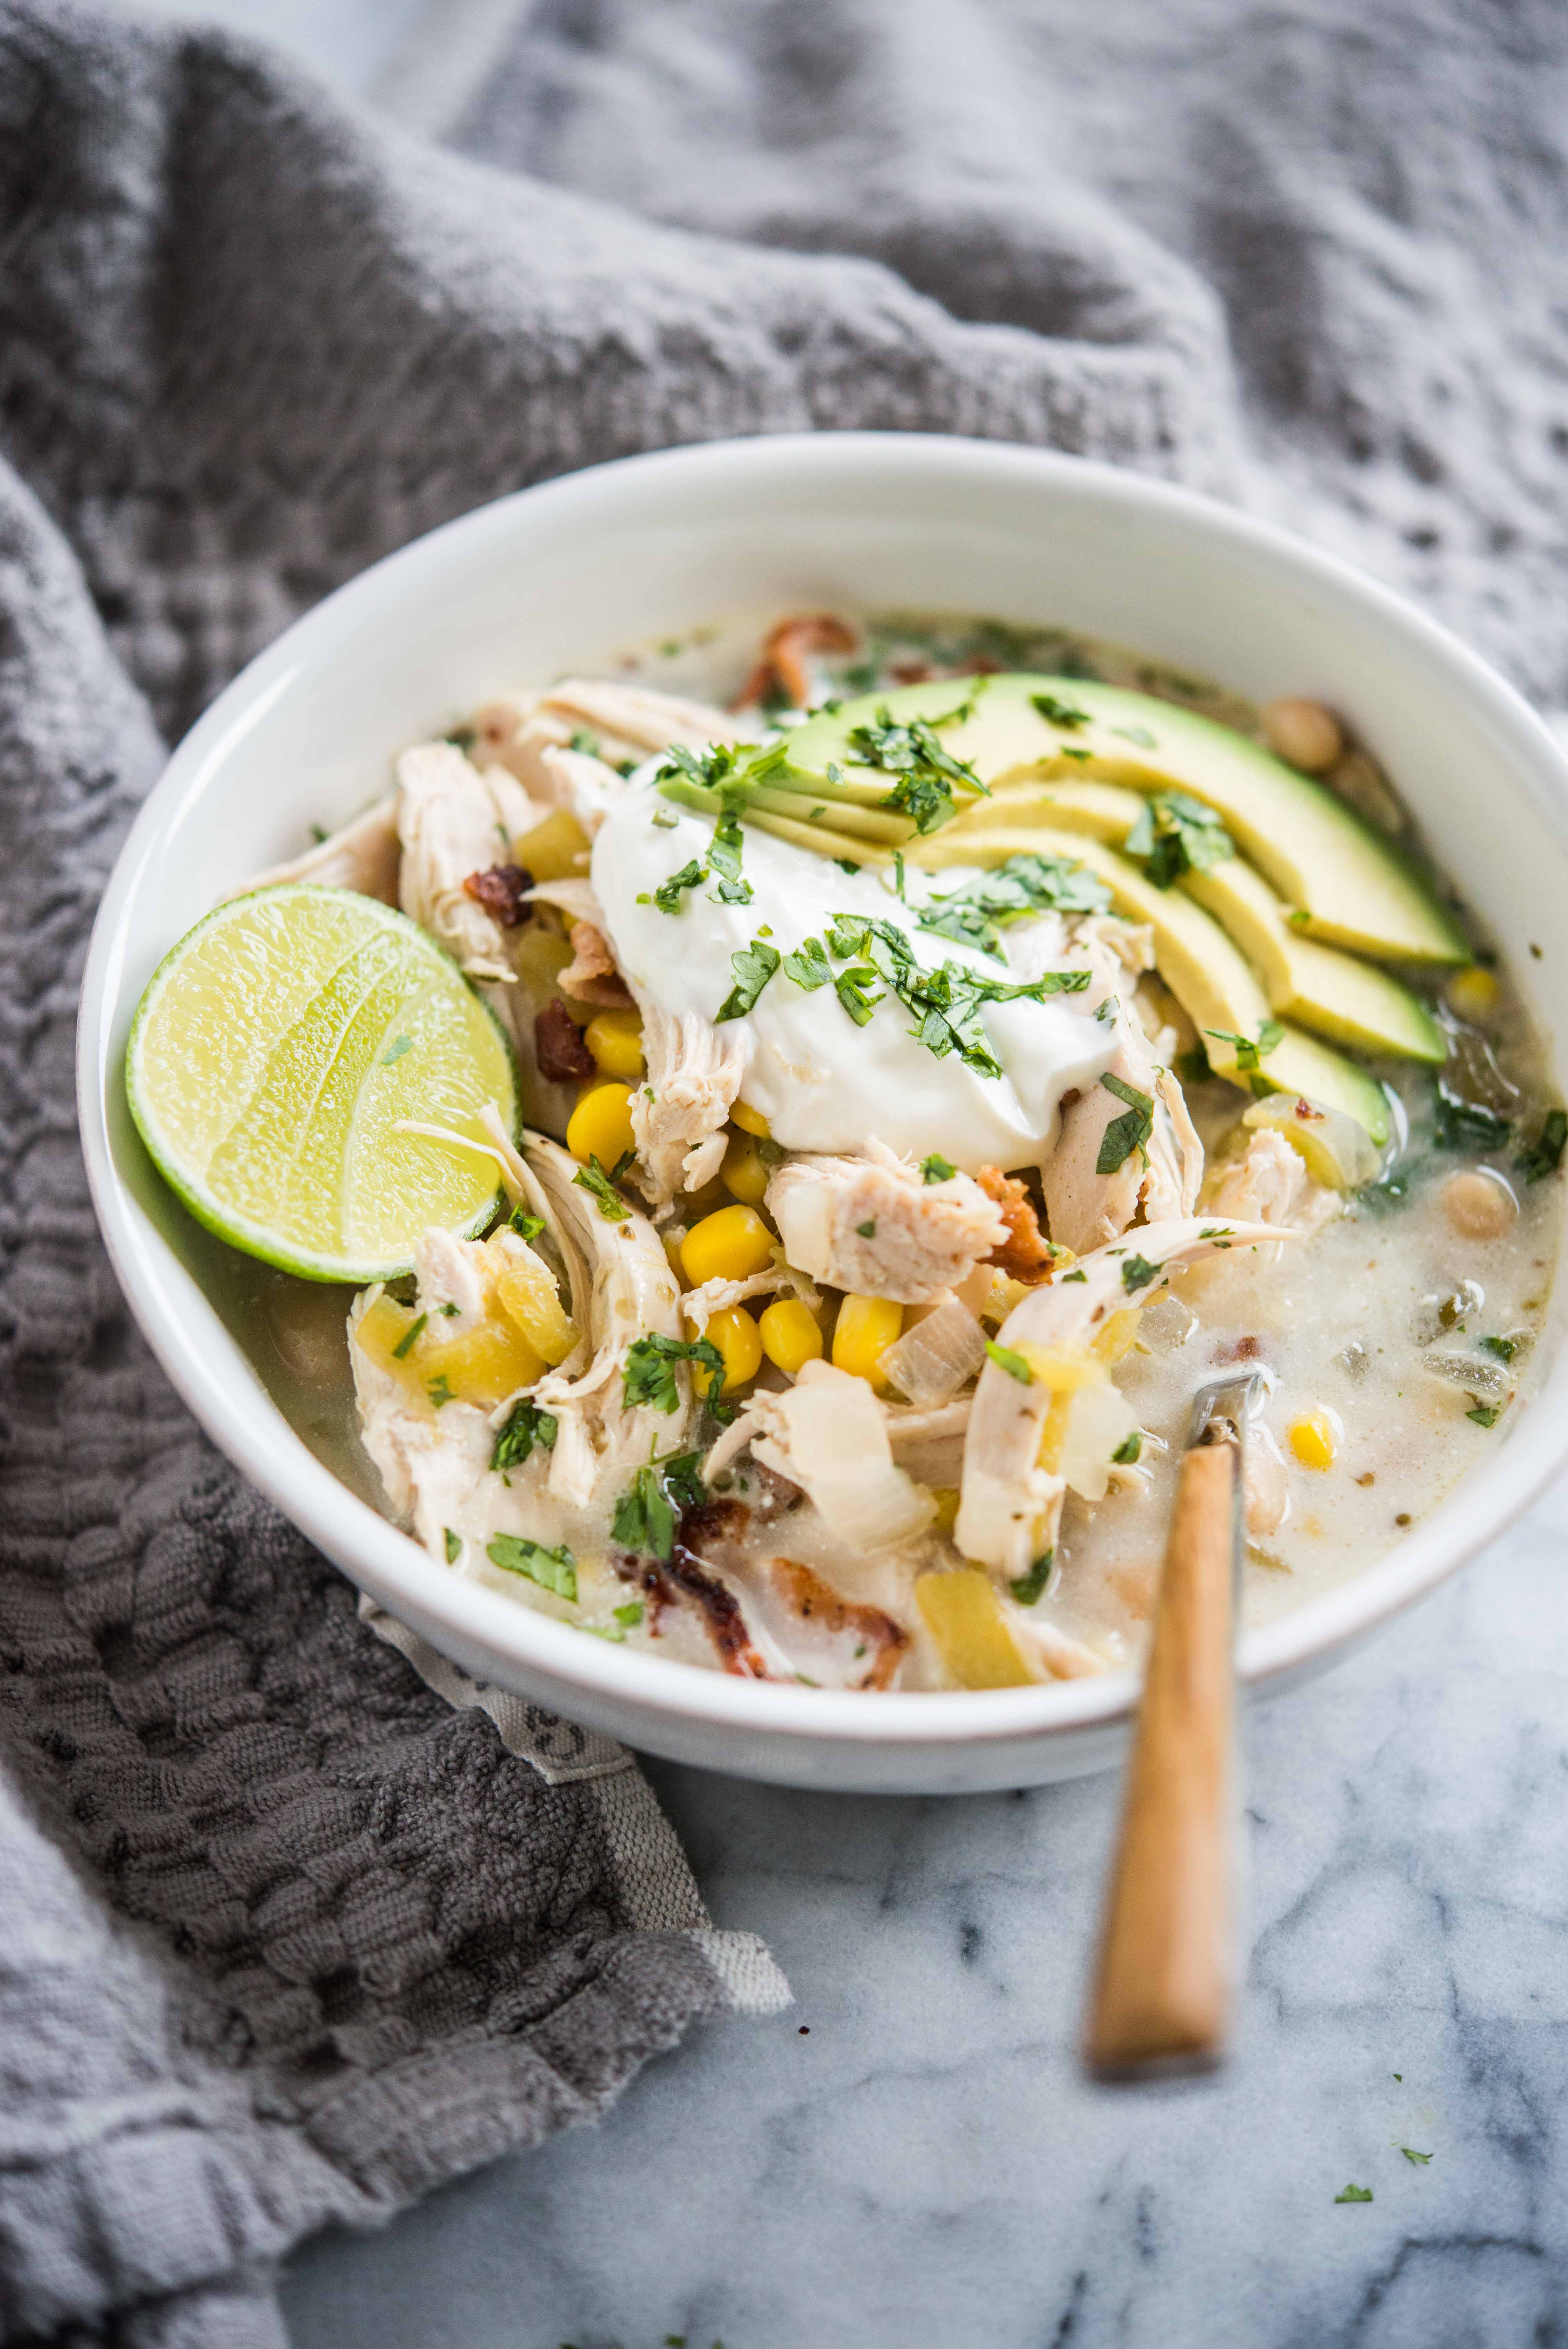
925	2168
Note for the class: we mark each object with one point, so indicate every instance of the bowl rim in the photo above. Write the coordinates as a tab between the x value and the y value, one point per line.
385	1561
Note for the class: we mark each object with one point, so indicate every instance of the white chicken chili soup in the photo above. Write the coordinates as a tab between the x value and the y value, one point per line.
941	1047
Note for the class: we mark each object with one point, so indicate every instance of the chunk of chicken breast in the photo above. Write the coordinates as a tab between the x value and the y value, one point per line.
1011	1507
680	1110
453	821
873	1225
1270	1184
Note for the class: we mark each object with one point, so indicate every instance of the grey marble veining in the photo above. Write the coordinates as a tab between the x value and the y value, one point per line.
927	2168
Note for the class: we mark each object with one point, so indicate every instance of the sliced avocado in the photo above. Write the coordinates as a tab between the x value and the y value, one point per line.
1204	970
1351	1003
1340	881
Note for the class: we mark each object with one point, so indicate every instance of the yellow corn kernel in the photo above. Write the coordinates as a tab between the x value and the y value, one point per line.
484	1367
743	1170
740	1340
946	1497
730	1245
1115	1336
751	1121
601	1126
964	1618
554	850
1473	993
615	1041
865	1328
1312	1439
789	1334
526	1292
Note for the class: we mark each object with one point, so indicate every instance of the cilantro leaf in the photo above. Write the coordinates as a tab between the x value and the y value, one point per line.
668	895
1355	2194
453	1544
1485	1414
440	1389
1504	1348
1418	2159
1057	712
553	1569
1014	1364
592	1177
936	1169
753	966
855	989
927	773
526	1226
1127	1451
1544	1155
723	859
1175	833
1271	1035
401	1349
1461	1124
1028	884
1137	1272
808	967
649	1374
1127	1133
1027	1588
524	1427
648	1514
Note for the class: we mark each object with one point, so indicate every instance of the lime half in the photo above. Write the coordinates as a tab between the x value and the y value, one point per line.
273	1057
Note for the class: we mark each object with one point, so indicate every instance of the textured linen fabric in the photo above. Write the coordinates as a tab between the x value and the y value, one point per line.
288	1932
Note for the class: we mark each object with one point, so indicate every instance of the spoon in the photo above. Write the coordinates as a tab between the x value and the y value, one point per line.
1161	2001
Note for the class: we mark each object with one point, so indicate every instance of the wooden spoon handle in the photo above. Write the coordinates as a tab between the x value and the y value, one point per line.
1162	1988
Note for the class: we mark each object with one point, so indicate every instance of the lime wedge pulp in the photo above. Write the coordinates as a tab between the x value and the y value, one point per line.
277	1050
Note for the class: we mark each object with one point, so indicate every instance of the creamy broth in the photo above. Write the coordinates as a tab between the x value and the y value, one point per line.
1395	1335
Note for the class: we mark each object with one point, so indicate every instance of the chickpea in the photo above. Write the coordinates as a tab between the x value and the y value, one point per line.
1303	733
1478	1204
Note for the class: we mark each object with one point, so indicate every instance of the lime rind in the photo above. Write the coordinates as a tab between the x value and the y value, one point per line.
245	1085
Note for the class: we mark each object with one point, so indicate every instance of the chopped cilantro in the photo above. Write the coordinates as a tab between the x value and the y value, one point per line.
1416	2159
1060	713
649	1511
1355	2194
592	1177
440	1389
524	1427
1106	1009
668	895
1175	833
1484	1414
707	769
649	1374
1078	1275
1217	1233
867	1231
553	1569
1271	1035
1137	1272
846	863
936	1169
723	859
526	1226
461	738
451	1311
1014	1364
854	991
753	966
453	1544
808	966
1544	1155
947	1002
1127	1133
630	1615
1027	1588
401	1349
925	771
1461	1124
1504	1348
1127	1452
587	743
401	1044
976	914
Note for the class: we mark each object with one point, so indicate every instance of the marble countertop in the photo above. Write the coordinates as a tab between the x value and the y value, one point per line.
911	2158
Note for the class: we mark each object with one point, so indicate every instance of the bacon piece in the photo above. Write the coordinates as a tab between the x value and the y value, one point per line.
685	1574
558	1041
592	976
1025	1254
503	891
814	1600
783	659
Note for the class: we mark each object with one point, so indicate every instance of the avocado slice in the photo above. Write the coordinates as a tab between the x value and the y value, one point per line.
1204	970
1352	1002
1340	881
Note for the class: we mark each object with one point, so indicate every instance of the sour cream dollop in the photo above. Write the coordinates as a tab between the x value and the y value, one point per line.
822	1082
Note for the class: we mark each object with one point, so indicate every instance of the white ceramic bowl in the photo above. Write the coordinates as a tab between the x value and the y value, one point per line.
559	575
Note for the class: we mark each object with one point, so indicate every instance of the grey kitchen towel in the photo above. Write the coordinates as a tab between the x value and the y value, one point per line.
288	1930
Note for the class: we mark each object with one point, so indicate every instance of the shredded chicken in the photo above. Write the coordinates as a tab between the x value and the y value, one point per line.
1011	1507
1158	1179
680	1110
362	854
614	724
874	1227
592	976
452	821
1269	1183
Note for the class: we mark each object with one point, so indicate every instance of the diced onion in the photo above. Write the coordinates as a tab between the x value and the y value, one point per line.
941	1353
827	1433
1100	1418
